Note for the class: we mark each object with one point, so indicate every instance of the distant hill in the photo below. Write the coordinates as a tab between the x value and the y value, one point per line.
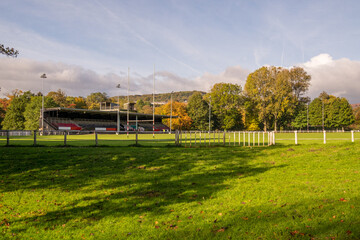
181	96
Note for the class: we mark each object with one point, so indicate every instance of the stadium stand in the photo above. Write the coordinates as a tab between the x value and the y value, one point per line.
70	119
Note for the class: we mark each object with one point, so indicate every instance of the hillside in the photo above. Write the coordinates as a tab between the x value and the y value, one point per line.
181	96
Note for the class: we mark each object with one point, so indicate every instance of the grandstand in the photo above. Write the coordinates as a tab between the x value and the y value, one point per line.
70	119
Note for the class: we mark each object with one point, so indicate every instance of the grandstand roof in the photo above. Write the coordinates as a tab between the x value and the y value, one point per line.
97	112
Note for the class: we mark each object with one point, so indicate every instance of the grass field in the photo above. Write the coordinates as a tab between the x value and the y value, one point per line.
187	139
278	192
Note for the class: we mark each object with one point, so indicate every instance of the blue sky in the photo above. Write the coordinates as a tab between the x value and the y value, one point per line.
88	45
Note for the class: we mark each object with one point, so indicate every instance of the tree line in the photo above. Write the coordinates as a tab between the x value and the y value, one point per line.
273	98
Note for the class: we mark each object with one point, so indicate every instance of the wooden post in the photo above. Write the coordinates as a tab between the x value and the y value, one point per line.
324	137
65	134
136	137
296	138
200	138
244	139
258	139
96	139
34	137
352	136
229	139
273	135
7	138
263	138
249	139
224	137
195	138
209	139
254	139
239	138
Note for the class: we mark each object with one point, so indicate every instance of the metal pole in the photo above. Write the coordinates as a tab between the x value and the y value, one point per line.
210	115
154	103
323	115
136	139
65	134
128	105
307	117
42	104
118	112
171	111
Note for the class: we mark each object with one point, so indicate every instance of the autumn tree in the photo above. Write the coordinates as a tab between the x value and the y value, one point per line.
258	89
226	103
4	104
198	110
94	99
59	97
14	117
182	121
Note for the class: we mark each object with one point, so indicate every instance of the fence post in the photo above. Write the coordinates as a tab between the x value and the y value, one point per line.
249	139
324	137
7	138
195	138
254	141
229	139
224	137
263	138
296	138
34	137
96	138
352	136
244	138
209	139
273	134
65	133
136	137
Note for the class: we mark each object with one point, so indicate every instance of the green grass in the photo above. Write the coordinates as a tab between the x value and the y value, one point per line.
280	192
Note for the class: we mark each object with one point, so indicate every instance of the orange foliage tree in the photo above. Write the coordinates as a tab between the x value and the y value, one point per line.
180	120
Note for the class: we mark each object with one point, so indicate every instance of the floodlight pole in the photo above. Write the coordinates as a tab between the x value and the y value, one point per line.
154	103
171	109
42	104
323	115
128	105
307	117
210	115
118	111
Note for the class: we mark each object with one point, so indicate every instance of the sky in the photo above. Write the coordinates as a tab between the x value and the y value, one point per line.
87	46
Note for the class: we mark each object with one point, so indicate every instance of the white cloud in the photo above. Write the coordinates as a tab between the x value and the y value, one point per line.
339	77
24	74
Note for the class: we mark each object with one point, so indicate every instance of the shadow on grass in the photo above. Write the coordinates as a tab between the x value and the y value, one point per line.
136	179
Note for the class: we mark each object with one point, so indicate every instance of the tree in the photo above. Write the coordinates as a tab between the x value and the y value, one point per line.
14	117
315	112
94	99
300	81
346	112
139	105
59	97
226	105
300	121
198	110
283	101
4	104
258	88
182	121
11	52
33	110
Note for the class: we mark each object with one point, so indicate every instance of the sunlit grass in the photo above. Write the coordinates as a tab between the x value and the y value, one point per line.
279	192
